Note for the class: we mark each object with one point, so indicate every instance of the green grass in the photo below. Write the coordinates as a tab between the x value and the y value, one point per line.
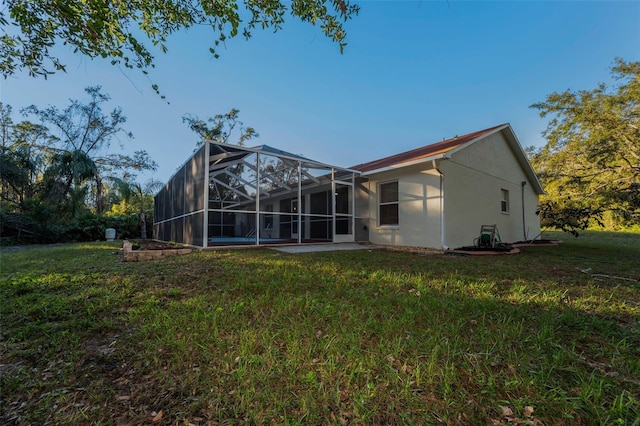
364	337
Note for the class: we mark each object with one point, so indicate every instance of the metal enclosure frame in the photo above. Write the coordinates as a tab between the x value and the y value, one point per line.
255	196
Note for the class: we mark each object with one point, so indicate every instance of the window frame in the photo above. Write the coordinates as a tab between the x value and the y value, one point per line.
395	202
504	201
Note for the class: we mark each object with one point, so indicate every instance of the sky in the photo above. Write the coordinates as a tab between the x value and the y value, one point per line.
413	73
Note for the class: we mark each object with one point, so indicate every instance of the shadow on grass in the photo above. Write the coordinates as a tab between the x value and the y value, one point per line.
378	337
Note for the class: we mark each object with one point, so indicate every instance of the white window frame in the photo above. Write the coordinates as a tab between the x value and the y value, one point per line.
504	201
388	203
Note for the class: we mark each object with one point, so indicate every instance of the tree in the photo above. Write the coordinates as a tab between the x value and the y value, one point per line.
225	128
22	159
139	198
122	30
591	161
221	128
85	135
64	181
49	183
275	172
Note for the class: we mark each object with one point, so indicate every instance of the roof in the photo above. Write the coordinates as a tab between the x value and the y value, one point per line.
424	152
445	148
266	149
222	155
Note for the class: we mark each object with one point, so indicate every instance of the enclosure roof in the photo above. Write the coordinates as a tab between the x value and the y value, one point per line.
266	149
222	154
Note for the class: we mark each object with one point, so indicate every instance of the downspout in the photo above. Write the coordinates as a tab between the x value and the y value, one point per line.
443	242
524	224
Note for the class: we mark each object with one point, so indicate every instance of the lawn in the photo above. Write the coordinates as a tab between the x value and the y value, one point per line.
255	336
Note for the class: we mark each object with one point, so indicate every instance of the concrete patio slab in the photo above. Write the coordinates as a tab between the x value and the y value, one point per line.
312	248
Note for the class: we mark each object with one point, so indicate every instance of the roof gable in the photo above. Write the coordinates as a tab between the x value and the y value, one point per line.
449	146
424	152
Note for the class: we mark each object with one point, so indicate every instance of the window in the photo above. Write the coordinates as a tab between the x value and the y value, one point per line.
388	207
504	201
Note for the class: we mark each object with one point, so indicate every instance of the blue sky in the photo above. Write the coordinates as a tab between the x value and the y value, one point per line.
413	73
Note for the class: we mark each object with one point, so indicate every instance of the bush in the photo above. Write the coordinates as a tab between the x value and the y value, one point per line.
21	228
85	227
16	228
125	226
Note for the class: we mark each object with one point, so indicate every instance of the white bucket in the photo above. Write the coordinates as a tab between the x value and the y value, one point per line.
110	234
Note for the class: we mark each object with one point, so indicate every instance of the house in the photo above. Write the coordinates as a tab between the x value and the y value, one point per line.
437	196
440	195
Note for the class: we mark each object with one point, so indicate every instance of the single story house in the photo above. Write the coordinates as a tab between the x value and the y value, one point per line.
437	196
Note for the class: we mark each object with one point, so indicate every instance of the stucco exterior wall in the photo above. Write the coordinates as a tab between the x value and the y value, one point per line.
419	208
474	178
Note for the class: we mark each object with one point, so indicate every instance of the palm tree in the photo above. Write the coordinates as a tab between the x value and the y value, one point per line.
140	197
65	179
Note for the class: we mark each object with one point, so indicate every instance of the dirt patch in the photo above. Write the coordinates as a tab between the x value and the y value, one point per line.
98	354
101	346
11	368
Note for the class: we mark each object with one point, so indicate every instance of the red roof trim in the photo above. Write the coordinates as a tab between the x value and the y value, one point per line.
423	152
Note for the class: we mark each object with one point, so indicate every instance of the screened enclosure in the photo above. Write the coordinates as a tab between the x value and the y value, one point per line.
231	195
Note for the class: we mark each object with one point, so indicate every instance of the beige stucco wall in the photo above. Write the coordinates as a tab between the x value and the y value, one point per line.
419	208
473	180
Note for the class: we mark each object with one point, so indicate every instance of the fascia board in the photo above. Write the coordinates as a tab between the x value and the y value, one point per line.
472	141
524	162
407	164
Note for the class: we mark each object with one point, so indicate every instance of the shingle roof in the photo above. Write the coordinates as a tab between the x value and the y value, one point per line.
423	152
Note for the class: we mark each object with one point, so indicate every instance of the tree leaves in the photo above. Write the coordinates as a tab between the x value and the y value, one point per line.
592	154
67	171
567	216
122	31
221	128
508	417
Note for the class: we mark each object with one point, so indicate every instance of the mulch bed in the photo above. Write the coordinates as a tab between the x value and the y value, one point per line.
142	250
499	248
152	245
537	243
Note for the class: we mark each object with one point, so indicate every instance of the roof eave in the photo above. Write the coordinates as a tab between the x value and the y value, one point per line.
484	135
406	164
524	162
